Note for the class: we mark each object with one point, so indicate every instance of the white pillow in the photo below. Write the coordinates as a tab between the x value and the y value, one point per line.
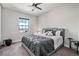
44	33
57	33
49	33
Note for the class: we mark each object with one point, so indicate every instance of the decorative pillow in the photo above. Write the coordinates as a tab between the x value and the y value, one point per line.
58	33
49	33
53	32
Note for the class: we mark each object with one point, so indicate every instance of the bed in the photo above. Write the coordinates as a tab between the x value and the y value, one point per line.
42	44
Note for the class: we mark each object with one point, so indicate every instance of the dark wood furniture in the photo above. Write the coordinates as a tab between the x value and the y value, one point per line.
70	40
7	42
75	42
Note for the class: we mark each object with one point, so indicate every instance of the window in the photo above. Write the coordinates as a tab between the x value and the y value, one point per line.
23	24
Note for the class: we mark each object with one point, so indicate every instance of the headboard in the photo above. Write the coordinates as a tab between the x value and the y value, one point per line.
54	30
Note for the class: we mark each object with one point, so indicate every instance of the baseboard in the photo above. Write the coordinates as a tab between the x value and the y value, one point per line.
16	42
66	45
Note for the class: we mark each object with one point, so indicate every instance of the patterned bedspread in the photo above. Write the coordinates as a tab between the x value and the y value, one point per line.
38	45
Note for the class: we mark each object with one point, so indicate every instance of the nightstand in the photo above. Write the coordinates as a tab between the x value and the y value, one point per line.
70	41
75	42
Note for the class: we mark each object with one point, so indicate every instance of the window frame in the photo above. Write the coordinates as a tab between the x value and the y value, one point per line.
26	29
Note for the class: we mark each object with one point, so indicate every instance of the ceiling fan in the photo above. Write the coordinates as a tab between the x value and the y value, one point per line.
36	6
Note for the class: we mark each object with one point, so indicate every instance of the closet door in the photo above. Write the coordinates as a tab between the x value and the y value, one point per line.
0	23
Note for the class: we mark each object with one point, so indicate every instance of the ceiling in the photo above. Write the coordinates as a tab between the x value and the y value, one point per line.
26	7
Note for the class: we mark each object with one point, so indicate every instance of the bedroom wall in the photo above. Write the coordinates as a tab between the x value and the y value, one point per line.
64	16
10	26
0	23
78	21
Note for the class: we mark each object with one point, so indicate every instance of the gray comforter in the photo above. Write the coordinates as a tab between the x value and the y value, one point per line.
38	45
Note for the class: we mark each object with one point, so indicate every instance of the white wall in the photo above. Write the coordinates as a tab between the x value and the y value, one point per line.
10	26
78	20
0	23
62	17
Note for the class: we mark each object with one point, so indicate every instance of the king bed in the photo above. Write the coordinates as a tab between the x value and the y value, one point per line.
45	43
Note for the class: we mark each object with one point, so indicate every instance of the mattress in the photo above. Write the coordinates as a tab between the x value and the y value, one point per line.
38	45
58	40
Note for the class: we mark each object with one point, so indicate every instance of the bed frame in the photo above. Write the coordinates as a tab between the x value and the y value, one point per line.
54	30
44	30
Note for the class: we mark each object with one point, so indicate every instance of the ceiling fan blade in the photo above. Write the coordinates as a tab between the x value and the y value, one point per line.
38	8
33	4
38	3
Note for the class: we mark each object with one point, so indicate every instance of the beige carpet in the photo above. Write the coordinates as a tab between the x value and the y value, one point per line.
17	50
13	50
66	52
